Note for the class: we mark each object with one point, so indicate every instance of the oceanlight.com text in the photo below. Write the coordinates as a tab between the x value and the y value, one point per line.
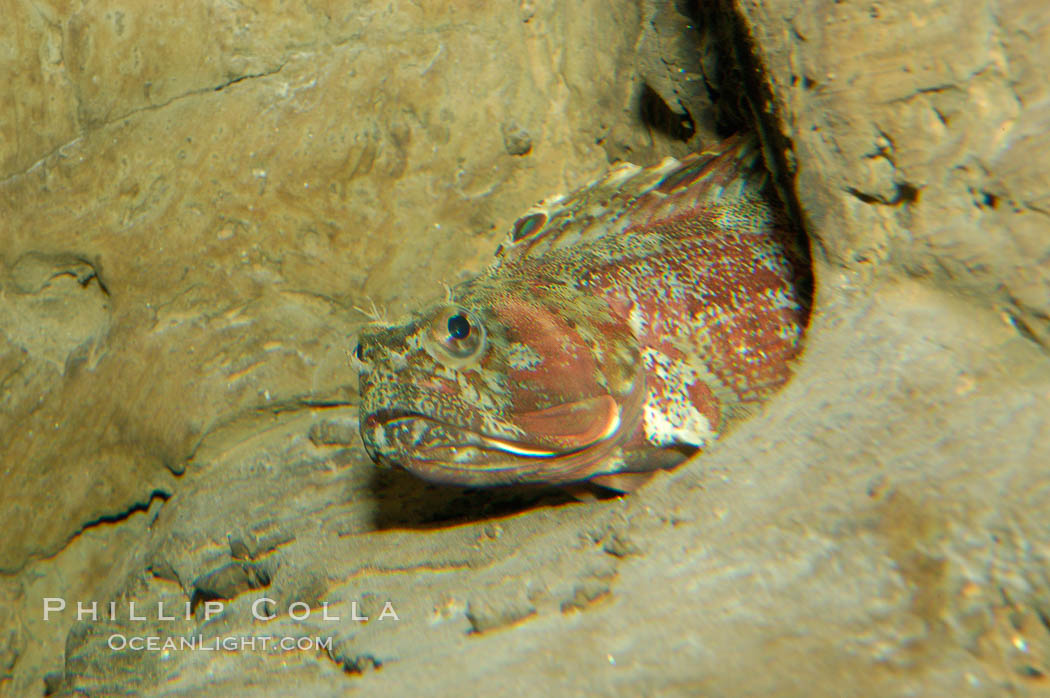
229	643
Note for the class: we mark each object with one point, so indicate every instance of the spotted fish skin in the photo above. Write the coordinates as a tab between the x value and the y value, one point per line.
620	330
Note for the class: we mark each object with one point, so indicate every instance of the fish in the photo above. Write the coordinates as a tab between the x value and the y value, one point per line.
619	331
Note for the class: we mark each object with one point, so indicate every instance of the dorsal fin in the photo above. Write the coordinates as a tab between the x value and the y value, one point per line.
721	174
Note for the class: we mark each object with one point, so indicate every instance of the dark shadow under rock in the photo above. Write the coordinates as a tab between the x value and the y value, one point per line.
405	501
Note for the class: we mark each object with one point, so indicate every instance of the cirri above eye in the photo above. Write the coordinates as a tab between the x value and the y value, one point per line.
455	336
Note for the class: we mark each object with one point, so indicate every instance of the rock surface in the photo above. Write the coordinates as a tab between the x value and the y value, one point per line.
193	203
199	248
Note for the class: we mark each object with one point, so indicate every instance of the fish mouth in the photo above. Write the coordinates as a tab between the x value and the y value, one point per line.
422	426
441	451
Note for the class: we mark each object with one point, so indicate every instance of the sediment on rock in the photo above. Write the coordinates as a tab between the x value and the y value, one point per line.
195	203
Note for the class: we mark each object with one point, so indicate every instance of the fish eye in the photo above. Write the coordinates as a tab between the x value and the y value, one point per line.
456	337
459	326
358	353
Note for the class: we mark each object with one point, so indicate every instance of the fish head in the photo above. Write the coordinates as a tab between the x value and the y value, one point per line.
502	383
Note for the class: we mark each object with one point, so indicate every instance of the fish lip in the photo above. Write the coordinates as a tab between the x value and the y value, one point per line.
521	449
490	461
385	416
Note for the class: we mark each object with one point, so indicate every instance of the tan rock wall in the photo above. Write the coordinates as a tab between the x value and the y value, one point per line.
194	201
227	185
919	133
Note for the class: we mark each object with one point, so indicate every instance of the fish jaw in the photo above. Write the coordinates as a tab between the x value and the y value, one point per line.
451	454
